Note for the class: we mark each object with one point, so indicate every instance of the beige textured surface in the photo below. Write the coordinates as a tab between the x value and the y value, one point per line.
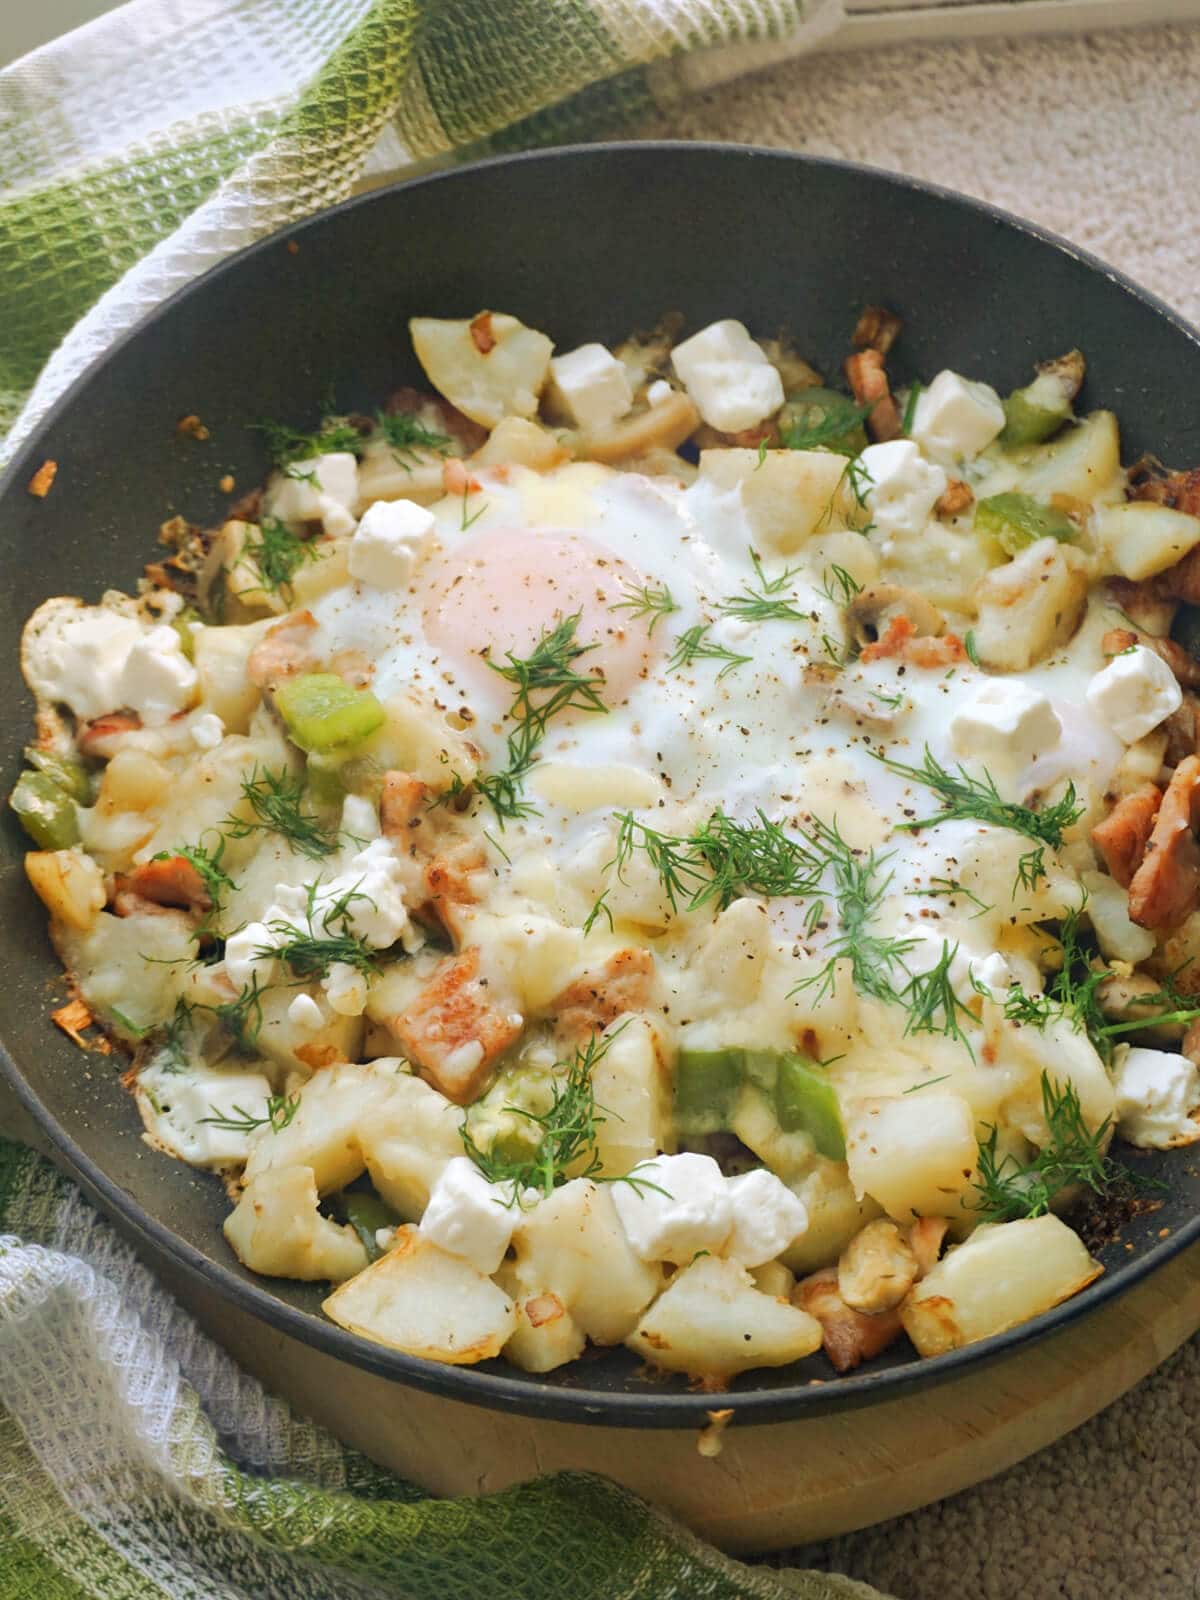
1099	138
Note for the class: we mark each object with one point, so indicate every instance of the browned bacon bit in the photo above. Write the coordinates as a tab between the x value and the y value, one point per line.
956	498
172	881
99	737
283	650
454	1030
849	1337
1124	834
947	651
190	427
624	983
876	329
482	336
74	1018
316	1056
891	641
448	877
925	1238
43	480
401	803
1178	490
1182	729
868	382
1166	887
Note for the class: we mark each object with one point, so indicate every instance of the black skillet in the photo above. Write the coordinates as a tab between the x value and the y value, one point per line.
588	244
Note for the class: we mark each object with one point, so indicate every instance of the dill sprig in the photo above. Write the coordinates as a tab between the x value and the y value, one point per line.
931	1001
647	601
406	435
286	445
280	1111
694	645
1073	1156
545	683
326	938
279	554
276	799
965	797
910	408
208	865
767	603
838	586
859	886
832	425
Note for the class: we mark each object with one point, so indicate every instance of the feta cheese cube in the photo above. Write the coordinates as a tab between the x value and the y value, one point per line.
1134	693
76	657
389	542
590	386
900	487
1155	1091
1007	719
470	1217
729	378
157	679
687	1210
767	1217
207	731
304	1013
323	490
954	419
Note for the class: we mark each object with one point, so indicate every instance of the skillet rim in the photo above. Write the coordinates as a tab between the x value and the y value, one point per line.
626	1408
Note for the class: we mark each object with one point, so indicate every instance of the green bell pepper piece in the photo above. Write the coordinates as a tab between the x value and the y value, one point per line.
707	1083
816	419
46	812
1017	520
322	712
365	1213
67	774
804	1099
1037	412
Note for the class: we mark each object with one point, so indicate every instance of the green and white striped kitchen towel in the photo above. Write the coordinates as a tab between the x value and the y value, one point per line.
138	1463
145	147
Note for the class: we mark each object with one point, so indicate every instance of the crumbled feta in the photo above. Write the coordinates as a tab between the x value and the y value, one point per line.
374	880
688	1209
323	490
178	1104
242	964
77	658
659	392
360	817
207	731
954	419
470	1217
901	488
991	972
304	1013
767	1216
1008	719
157	679
385	1238
1155	1090
729	378
391	540
346	989
1134	693
591	386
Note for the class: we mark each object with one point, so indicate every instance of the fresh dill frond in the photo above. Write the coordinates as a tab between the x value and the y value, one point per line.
767	603
834	423
567	1129
326	938
406	435
952	889
968	798
545	683
281	1109
1031	869
279	554
647	601
695	645
1073	1156
1072	992
838	586
207	864
469	521
277	801
971	648
287	445
242	1017
932	1004
859	886
914	1088
910	408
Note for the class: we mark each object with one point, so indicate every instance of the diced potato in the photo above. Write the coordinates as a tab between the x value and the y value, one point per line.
1003	1275
1108	912
1139	539
546	1335
296	1048
712	1323
630	1083
835	1215
133	781
420	1299
787	495
572	1244
385	473
323	1135
1030	606
329	570
532	957
420	738
1065	1055
754	1121
137	963
407	1141
491	366
1080	462
221	655
914	1154
517	442
245	595
207	789
277	1230
68	883
773	1278
844	548
581	788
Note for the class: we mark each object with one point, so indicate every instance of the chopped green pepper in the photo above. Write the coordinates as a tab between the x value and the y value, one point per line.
366	1213
1036	412
1017	520
707	1083
181	622
805	1099
322	712
67	774
822	419
46	812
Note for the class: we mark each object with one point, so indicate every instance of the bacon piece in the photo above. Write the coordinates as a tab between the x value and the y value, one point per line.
283	650
891	641
925	1239
1124	834
448	880
624	983
876	329
173	881
42	482
1179	490
944	652
956	498
401	804
102	736
482	337
868	380
1165	889
454	1030
849	1337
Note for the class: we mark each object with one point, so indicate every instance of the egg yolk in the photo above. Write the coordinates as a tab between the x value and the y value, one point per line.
503	590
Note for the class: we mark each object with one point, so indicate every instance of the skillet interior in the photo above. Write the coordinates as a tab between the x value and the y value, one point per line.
587	244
